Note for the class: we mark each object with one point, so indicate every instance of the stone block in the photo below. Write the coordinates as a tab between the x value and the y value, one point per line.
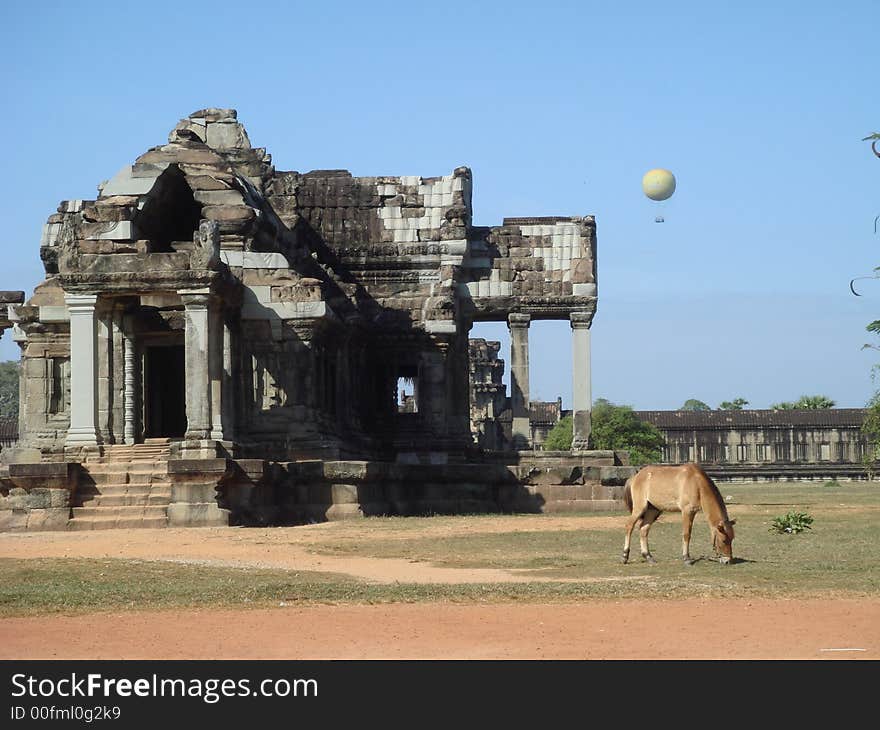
584	290
120	230
50	233
344	512
218	197
125	183
227	135
229	213
197	515
55	518
193	492
344	494
13	520
54	313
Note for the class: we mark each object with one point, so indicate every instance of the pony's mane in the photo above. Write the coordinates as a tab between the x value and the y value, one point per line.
716	492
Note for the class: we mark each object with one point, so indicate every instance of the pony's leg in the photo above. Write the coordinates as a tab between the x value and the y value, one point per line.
687	524
651	514
635	519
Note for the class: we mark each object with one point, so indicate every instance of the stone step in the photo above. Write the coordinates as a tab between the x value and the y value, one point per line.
135	467
136	450
113	523
133	512
127	459
131	499
118	478
123	488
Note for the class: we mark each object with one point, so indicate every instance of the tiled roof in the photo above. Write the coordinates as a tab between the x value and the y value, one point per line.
543	412
818	418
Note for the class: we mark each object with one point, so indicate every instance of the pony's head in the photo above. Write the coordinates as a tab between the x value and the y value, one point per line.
722	540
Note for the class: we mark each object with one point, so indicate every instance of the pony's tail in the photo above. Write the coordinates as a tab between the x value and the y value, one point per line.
627	495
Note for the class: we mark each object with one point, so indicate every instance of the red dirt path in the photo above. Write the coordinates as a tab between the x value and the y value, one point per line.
691	629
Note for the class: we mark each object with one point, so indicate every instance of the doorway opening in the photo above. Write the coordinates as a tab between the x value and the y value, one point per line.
164	391
407	389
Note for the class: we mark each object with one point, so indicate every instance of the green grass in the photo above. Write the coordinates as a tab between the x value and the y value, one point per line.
69	586
837	557
839	553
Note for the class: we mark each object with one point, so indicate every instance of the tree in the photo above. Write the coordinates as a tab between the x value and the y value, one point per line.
559	438
9	389
805	402
871	429
735	405
871	424
617	427
692	404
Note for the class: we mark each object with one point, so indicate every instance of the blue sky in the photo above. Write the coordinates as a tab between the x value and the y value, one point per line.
558	108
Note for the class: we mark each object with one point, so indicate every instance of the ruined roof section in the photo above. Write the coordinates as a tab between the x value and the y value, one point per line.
380	218
544	266
815	418
399	248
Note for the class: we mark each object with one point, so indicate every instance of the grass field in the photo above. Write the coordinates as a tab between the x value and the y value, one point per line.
837	557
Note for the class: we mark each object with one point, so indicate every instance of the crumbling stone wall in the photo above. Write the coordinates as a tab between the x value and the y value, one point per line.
490	406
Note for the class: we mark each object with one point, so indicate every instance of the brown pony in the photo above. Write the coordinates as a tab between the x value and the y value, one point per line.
686	489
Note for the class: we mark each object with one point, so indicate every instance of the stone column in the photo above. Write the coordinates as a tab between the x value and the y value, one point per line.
518	324
581	380
216	360
118	395
83	336
129	393
105	371
198	375
228	396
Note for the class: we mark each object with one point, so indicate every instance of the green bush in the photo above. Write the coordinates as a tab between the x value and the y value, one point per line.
9	389
617	427
559	438
832	483
791	523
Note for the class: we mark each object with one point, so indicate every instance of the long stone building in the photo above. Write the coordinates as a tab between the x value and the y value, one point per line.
765	444
217	341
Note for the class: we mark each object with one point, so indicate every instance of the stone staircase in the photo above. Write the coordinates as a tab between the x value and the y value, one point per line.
126	487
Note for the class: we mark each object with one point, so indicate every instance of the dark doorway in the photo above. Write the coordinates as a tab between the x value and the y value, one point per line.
164	392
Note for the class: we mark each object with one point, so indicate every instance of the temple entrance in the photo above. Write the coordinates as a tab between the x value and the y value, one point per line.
164	392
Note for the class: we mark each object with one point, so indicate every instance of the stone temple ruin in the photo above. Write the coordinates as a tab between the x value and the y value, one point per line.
220	342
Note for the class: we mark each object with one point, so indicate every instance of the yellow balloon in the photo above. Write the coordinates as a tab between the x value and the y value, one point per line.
658	184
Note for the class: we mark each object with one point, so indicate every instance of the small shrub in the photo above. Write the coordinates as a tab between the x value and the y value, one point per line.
832	483
560	436
791	523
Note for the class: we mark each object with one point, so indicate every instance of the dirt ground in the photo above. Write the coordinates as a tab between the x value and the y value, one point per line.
838	629
595	629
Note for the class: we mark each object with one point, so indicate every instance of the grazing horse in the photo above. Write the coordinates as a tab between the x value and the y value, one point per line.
686	489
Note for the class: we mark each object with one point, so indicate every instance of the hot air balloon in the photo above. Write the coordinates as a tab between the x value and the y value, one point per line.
658	184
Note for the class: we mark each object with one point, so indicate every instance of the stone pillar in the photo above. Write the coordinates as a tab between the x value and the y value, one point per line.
216	359
118	401
83	336
129	393
228	396
581	380
105	371
198	371
518	324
